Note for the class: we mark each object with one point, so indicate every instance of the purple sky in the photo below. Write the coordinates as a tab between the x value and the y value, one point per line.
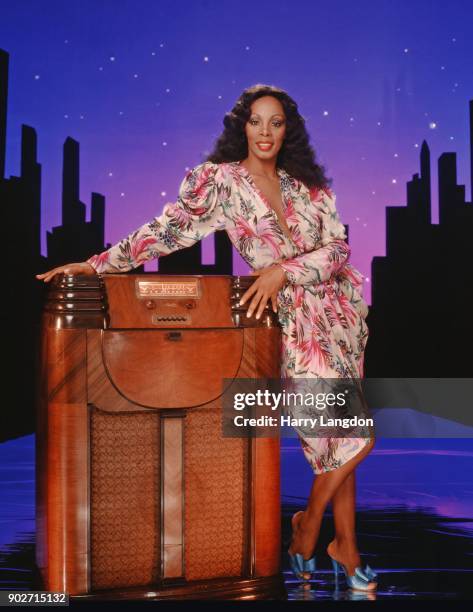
144	87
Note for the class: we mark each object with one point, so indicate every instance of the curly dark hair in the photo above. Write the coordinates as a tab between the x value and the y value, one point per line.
296	155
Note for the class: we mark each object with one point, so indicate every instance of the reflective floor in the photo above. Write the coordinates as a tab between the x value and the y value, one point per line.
414	520
399	584
414	527
416	555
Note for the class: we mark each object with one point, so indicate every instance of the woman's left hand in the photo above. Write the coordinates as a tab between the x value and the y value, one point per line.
266	287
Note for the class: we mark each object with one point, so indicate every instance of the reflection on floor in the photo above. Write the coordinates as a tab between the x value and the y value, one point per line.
414	524
415	554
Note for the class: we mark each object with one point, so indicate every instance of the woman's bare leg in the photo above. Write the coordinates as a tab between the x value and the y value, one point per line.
323	490
344	547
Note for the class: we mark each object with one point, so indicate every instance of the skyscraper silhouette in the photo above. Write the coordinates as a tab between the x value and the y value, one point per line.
421	289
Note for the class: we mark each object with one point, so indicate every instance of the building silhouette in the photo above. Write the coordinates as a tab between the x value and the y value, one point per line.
75	239
422	288
188	261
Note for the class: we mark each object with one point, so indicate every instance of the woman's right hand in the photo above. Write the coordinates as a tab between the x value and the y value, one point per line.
73	268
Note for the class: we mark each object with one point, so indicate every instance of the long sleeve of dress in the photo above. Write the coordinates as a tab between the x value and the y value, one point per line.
197	213
326	260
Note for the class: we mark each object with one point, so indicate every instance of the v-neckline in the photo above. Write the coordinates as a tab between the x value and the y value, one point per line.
280	172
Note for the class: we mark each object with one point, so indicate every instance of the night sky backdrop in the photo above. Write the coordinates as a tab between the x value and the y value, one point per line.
144	86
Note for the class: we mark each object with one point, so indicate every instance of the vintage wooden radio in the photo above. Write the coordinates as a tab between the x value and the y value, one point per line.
139	495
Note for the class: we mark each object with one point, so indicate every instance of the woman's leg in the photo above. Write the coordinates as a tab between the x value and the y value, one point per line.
323	490
344	546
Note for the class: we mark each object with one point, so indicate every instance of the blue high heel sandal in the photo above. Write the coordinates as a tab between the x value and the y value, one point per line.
369	573
300	566
361	579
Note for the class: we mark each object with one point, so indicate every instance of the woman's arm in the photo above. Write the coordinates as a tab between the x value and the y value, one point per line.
196	214
325	261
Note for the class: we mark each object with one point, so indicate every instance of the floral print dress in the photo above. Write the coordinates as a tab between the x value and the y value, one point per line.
321	309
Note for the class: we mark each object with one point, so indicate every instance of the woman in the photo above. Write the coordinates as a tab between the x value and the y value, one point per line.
262	185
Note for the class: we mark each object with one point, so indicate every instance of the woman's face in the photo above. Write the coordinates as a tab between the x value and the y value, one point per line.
266	124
